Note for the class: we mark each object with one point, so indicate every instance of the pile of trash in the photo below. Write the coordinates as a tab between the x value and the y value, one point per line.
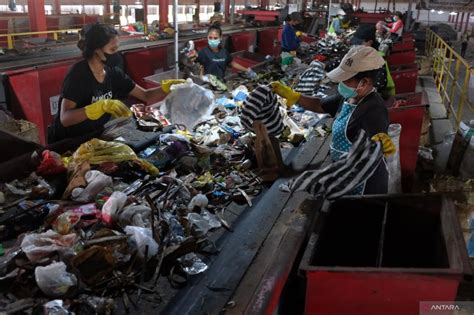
103	223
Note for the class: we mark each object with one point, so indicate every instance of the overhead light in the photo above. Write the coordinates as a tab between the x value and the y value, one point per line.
453	13
327	7
440	12
432	10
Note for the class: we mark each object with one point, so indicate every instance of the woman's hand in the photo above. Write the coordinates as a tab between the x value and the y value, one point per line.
284	91
114	107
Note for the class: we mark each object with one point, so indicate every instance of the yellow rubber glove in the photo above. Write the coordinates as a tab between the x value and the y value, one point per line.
284	91
114	107
387	144
166	84
299	33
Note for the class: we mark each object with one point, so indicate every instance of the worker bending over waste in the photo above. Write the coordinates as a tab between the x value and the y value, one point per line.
357	106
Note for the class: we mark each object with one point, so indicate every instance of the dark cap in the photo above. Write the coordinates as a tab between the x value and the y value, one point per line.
364	33
296	16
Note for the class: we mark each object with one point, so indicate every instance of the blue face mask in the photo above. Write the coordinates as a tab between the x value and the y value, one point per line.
213	43
346	91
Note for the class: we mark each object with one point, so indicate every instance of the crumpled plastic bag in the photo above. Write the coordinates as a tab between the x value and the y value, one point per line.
188	104
54	280
96	151
143	238
51	164
115	202
96	182
39	245
204	221
136	215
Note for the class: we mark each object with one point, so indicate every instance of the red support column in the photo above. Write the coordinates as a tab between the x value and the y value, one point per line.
467	22
37	15
107	10
145	16
456	23
163	13
462	21
226	10
264	3
57	7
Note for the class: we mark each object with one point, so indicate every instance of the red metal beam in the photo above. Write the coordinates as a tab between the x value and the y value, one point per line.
36	15
462	21
467	22
57	7
226	10
145	16
107	9
163	13
456	23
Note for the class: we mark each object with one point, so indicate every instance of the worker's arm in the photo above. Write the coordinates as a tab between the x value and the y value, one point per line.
239	67
70	115
154	94
148	96
311	103
396	26
337	26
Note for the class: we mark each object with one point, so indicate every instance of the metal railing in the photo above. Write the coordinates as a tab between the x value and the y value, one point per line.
452	74
11	38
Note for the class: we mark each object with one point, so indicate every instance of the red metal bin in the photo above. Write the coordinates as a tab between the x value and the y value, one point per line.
401	58
403	46
268	42
410	117
35	93
405	77
381	254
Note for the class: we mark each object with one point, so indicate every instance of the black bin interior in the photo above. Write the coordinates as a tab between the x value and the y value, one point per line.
380	233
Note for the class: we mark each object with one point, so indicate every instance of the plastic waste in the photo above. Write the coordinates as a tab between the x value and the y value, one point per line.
393	161
204	221
192	264
51	164
199	201
115	202
96	182
188	104
143	238
65	222
136	215
171	137
163	158
39	245
177	231
97	151
54	280
56	307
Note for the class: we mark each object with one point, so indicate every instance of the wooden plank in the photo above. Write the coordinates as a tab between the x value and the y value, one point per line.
209	292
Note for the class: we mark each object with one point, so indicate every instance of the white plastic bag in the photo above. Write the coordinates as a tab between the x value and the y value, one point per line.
143	237
54	280
393	161
115	203
39	245
188	104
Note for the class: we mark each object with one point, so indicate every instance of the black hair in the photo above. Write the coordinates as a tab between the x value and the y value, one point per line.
215	27
93	37
371	74
399	14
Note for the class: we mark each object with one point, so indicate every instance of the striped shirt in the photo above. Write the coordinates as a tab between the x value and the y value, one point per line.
262	105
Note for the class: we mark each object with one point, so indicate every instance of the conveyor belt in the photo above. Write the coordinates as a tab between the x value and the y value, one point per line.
70	51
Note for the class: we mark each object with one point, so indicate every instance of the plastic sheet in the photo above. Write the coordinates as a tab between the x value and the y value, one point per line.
188	104
97	151
115	202
54	280
39	245
393	161
192	264
143	238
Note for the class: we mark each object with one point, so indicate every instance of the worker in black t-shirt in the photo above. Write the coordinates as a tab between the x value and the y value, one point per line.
215	58
356	106
92	88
